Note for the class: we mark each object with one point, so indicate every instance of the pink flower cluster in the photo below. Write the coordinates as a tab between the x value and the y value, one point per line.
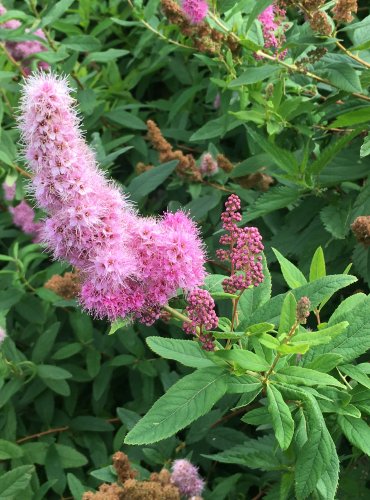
129	264
196	10
187	479
23	51
23	216
202	316
244	252
273	28
9	191
208	166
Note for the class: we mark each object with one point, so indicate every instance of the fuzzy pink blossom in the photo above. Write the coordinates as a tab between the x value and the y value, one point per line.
196	10
208	166
244	249
23	51
129	265
23	216
88	216
186	477
273	28
9	191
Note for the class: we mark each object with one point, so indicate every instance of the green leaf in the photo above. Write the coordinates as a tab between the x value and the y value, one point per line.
76	487
317	267
82	43
305	376
355	117
365	148
147	182
356	339
117	324
69	457
185	401
356	431
127	120
336	220
322	336
258	453
282	420
254	75
9	450
14	482
292	275
68	351
288	313
106	56
215	128
243	384
275	198
91	424
325	362
282	157
52	372
329	153
187	352
246	360
55	12
356	374
344	77
260	328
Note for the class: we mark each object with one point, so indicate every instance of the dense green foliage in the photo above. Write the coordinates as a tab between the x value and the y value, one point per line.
73	389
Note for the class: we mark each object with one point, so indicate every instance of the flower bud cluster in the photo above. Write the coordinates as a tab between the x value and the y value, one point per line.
23	51
202	315
303	310
244	249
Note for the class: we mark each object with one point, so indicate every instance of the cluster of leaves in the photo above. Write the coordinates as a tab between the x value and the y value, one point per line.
69	393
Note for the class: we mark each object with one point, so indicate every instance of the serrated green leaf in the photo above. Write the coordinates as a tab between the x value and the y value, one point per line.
282	420
304	376
275	198
148	181
246	360
9	450
356	431
185	401
187	352
13	483
356	374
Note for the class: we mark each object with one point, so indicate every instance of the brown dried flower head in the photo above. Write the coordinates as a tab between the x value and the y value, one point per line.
361	229
67	286
343	9
224	163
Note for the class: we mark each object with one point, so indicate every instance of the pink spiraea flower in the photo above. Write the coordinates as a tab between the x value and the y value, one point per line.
244	249
9	191
273	28
208	166
23	51
195	10
129	265
186	477
88	216
202	316
23	216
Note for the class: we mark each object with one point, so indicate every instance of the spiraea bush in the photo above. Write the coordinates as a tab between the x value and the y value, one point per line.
184	229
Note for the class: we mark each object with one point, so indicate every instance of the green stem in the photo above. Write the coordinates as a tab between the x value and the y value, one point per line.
278	355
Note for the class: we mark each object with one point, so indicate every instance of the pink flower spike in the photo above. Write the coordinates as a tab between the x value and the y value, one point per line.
186	477
196	10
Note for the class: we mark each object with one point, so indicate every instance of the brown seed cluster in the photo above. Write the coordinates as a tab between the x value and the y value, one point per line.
159	486
343	9
319	21
224	163
205	38
361	229
67	286
257	180
186	166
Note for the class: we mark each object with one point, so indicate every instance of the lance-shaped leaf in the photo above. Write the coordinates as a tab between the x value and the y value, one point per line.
188	399
282	420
